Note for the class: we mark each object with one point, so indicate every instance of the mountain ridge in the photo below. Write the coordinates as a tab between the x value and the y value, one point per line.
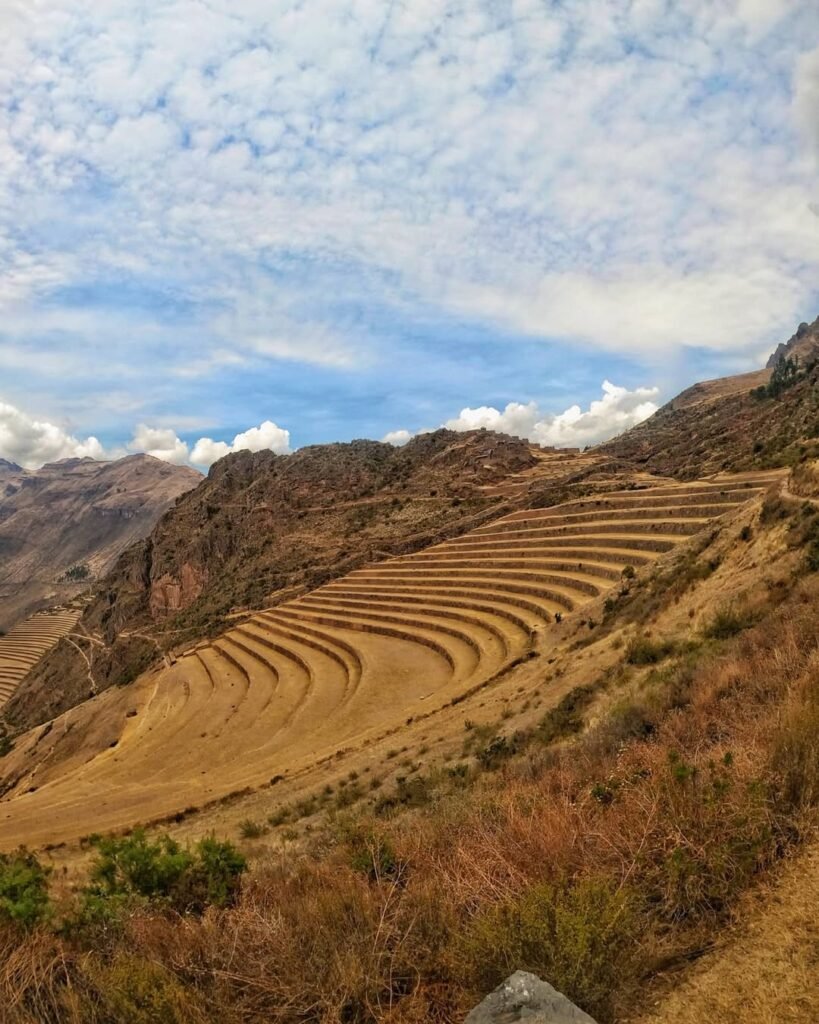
75	513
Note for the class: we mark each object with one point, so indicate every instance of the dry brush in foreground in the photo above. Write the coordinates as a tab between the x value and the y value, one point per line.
596	864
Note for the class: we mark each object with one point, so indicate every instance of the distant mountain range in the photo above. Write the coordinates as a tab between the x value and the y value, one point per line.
65	524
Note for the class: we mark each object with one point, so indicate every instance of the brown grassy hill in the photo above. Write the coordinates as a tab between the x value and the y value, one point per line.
341	667
597	813
746	422
264	528
76	514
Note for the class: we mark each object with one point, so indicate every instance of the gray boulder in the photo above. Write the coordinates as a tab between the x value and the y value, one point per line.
525	997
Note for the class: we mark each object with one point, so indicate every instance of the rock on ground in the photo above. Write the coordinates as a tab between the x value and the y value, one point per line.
525	997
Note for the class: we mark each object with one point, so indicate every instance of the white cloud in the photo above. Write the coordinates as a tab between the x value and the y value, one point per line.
266	436
646	310
618	410
161	442
807	97
307	180
31	442
397	437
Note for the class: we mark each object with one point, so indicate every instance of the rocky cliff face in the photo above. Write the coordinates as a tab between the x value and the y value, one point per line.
65	524
802	346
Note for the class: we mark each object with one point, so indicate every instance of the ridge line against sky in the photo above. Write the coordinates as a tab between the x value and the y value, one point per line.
277	223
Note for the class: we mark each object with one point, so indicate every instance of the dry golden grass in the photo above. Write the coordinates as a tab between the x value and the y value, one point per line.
281	693
765	971
597	864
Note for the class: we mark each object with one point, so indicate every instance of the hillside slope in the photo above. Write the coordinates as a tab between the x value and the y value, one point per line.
286	688
264	528
75	513
733	424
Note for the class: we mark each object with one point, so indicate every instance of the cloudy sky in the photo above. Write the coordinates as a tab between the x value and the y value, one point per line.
267	223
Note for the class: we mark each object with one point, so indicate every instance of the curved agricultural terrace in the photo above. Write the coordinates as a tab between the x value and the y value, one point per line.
289	686
23	646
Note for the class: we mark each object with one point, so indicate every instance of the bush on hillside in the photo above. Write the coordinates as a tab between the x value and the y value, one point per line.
23	889
161	871
6	742
785	375
566	717
643	651
578	936
729	621
76	574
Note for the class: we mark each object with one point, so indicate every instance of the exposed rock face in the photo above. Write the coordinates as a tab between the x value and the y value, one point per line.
262	523
525	997
802	346
170	594
76	512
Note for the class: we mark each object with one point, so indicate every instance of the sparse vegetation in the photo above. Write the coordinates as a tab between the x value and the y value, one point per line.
678	817
76	574
642	650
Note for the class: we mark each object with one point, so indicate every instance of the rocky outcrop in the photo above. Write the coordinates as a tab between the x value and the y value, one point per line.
803	345
170	594
525	997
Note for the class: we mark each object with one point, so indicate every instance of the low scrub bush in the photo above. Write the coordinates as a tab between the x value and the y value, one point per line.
565	718
644	651
579	936
24	899
160	871
249	829
729	621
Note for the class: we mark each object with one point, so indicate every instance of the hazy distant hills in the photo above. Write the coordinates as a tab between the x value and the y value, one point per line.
75	517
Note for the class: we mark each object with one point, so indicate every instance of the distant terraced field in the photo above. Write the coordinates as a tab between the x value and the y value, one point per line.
23	646
294	684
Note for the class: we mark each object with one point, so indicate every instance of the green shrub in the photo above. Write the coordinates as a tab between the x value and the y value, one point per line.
23	889
76	574
249	829
643	651
161	871
281	816
812	555
348	795
578	936
565	718
498	750
729	621
372	855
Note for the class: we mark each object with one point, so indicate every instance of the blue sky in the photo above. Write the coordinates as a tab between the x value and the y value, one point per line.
268	223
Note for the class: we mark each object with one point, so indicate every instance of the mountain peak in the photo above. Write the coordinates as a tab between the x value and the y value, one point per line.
803	345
